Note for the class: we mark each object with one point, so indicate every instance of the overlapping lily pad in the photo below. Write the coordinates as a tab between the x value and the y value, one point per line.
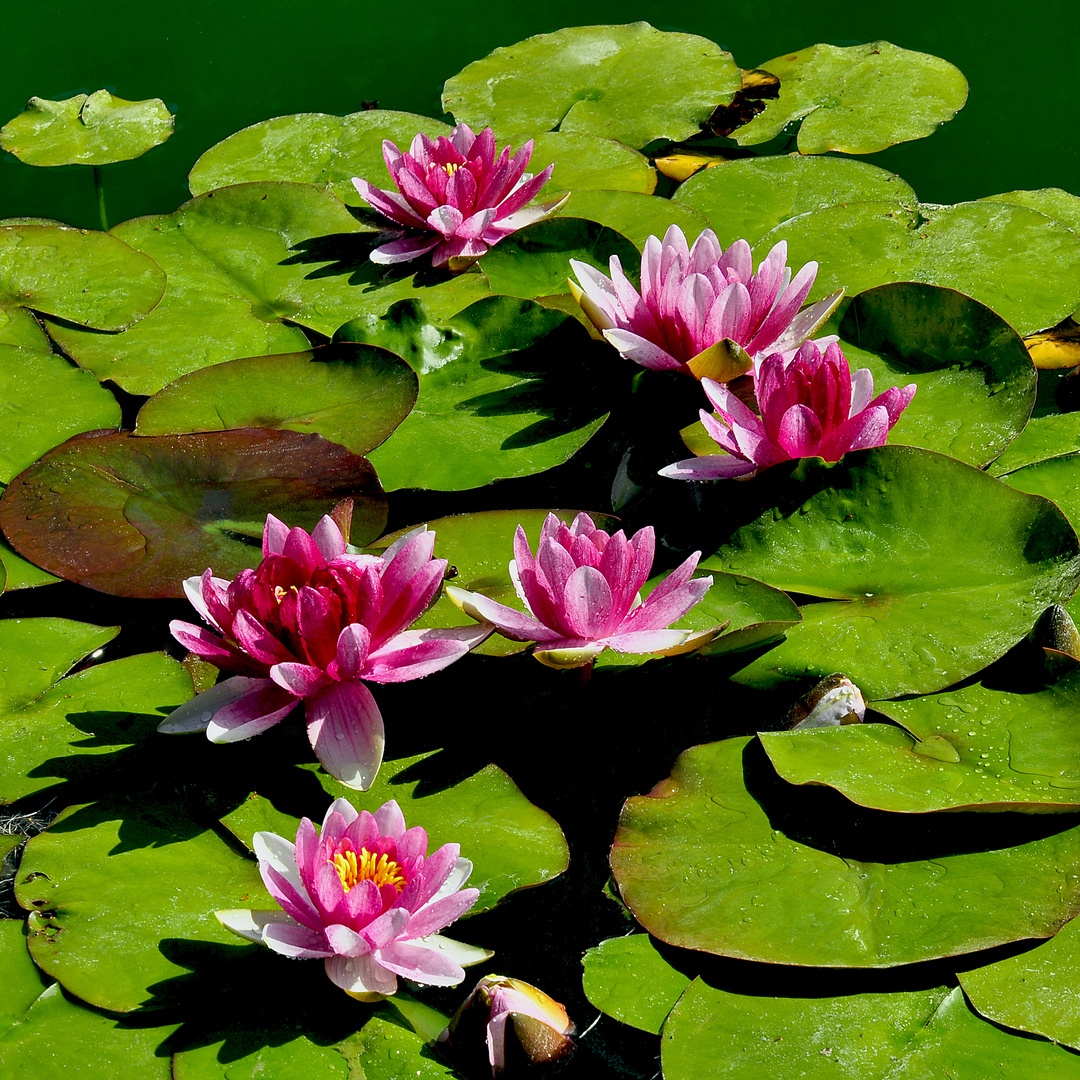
90	278
19	573
77	403
1044	437
585	162
1055	203
632	83
19	327
135	516
244	263
746	198
859	98
354	395
76	726
969	247
87	129
511	843
1057	478
976	382
636	216
909	609
23	981
746	866
122	896
493	399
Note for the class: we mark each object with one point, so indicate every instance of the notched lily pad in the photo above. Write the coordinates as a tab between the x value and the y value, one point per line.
858	99
632	83
135	516
94	129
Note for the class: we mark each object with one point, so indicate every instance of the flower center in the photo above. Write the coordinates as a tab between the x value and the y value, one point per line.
353	868
449	168
280	593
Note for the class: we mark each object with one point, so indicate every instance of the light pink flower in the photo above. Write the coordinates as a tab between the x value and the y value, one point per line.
365	896
314	623
455	199
811	406
693	298
582	594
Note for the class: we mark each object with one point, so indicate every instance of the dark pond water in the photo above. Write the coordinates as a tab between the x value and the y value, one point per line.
223	65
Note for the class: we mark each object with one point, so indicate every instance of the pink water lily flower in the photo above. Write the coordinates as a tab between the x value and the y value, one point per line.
581	592
811	406
314	623
365	896
693	298
455	198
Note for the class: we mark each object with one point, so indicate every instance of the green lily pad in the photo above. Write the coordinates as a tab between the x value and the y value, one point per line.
858	99
94	129
536	261
1057	478
911	610
19	327
18	573
312	148
90	278
354	395
636	216
976	382
586	163
493	401
1044	437
122	896
1053	202
632	83
746	866
628	979
85	722
77	403
23	981
244	263
59	1037
511	843
975	748
1033	991
970	247
135	516
748	197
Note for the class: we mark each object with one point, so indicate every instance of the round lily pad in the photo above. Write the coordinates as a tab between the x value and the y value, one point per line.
632	83
876	535
976	382
354	395
1044	437
93	129
511	843
859	98
636	216
492	400
90	278
122	893
77	403
136	516
746	866
970	247
585	162
748	197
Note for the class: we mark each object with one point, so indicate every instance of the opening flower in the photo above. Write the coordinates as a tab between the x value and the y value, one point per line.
694	299
811	406
313	623
364	895
582	595
455	198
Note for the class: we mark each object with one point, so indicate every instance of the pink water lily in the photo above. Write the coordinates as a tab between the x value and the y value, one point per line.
364	895
693	298
455	198
811	406
581	592
314	623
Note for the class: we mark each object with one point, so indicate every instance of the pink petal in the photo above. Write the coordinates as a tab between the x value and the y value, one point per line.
328	538
345	941
257	641
709	467
799	434
346	732
587	604
425	964
262	707
297	942
441	913
353	645
412	654
361	975
642	351
300	680
405	250
507	620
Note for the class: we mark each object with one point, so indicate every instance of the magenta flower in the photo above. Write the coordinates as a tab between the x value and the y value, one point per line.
365	896
581	594
455	198
811	406
314	624
693	298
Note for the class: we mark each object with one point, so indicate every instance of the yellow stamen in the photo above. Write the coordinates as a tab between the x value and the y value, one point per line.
353	868
280	593
449	168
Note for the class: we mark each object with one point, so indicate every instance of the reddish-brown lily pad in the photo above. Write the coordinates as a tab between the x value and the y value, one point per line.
135	516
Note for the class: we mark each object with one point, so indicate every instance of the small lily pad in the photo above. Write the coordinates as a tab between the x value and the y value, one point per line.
858	99
94	129
136	516
1045	437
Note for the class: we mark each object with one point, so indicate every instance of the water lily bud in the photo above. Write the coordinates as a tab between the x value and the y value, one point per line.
833	701
522	1026
1057	632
